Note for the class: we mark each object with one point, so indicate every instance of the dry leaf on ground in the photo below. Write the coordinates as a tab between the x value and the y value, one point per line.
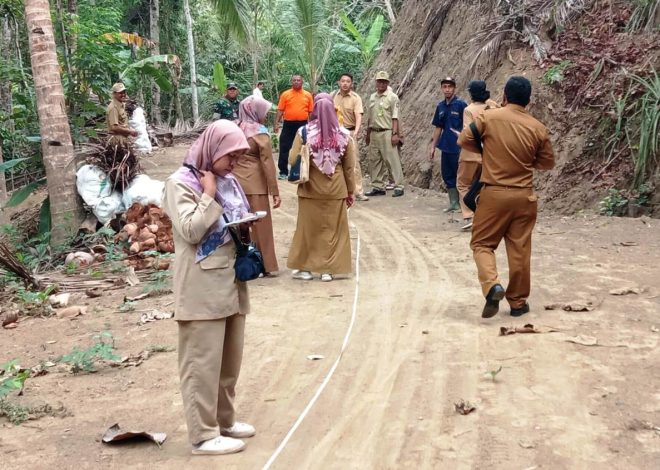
115	434
627	290
574	306
72	312
153	316
131	277
464	407
512	330
94	292
584	340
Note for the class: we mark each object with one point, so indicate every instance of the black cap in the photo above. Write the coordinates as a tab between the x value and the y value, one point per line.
231	85
478	90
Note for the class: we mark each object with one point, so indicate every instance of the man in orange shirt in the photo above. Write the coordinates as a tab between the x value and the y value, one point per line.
294	106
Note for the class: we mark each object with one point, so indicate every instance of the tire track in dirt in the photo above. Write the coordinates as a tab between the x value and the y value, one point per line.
390	374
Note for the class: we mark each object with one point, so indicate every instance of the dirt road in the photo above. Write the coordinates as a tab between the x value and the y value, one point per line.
418	346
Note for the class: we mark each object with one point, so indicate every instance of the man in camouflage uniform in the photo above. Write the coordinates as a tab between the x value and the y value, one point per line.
227	107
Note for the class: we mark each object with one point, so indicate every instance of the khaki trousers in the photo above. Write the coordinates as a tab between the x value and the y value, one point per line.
210	355
508	213
466	174
383	156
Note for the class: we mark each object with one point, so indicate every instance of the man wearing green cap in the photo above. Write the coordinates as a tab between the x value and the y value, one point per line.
383	138
227	106
448	122
116	117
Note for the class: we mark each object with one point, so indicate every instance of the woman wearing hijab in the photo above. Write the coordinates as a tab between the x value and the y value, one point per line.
321	242
210	304
255	170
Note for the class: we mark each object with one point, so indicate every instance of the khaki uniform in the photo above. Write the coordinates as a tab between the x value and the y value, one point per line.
255	171
210	307
116	116
514	145
383	156
321	242
348	107
470	162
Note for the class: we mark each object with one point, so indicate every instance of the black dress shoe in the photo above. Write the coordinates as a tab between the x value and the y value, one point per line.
397	193
376	192
518	312
495	294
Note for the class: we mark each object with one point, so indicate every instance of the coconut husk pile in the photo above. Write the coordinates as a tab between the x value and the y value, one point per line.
120	162
148	228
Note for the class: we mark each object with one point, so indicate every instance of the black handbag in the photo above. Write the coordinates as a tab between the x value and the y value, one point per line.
249	262
471	198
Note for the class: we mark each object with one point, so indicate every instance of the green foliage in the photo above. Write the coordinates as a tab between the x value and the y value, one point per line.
644	126
12	377
15	413
644	16
84	360
219	77
33	299
555	74
22	194
365	44
618	201
160	282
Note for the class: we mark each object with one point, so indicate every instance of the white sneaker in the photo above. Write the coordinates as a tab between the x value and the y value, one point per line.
303	275
239	430
326	277
467	226
219	446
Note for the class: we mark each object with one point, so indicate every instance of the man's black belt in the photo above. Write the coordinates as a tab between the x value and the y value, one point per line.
378	129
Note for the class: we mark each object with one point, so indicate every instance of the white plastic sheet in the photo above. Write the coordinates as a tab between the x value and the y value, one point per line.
139	123
95	189
143	190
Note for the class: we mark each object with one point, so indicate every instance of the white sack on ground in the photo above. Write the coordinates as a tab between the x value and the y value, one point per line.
143	190
95	189
138	122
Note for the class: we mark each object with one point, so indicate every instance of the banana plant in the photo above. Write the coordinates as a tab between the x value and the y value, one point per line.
149	66
367	45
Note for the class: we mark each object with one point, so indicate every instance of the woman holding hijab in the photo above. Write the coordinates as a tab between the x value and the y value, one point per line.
210	305
321	242
255	171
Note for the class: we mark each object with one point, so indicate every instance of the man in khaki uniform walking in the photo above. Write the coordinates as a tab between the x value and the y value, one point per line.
469	163
116	117
514	144
349	112
383	138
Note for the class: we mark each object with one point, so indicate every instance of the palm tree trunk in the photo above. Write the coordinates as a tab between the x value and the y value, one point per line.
56	143
154	35
191	58
5	104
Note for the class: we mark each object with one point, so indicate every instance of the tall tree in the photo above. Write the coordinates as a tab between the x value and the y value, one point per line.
191	59
5	100
56	143
154	35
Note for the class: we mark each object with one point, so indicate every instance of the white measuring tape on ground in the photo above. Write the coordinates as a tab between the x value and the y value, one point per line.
331	372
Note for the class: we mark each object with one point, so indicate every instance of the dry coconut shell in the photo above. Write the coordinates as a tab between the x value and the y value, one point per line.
130	229
9	318
135	247
79	258
148	244
153	228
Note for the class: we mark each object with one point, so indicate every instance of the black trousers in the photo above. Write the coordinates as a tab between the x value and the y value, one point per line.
289	129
